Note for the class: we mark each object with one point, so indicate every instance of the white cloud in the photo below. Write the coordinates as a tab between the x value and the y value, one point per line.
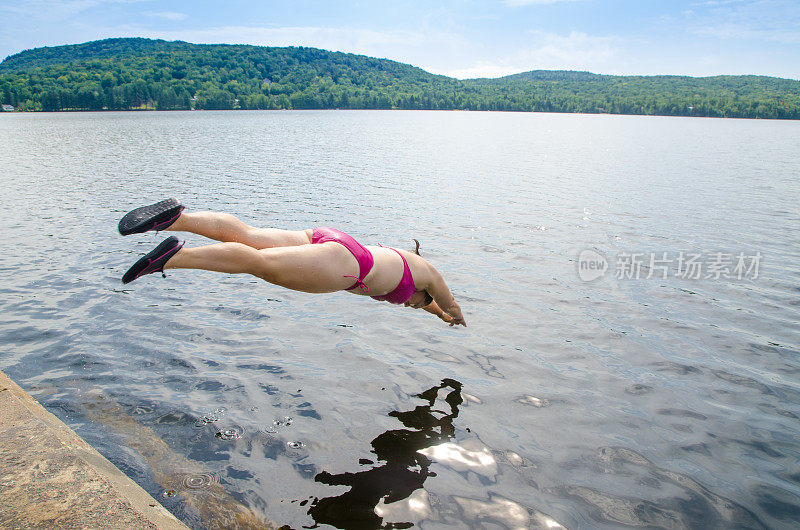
25	24
481	69
399	45
760	20
744	32
711	3
518	3
576	50
549	51
166	15
56	9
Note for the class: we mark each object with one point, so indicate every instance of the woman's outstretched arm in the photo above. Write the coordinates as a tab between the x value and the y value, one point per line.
442	297
434	309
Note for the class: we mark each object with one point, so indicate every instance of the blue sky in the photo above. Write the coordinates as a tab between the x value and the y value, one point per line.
460	38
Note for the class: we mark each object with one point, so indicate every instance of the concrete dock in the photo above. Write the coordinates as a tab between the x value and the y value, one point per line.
51	478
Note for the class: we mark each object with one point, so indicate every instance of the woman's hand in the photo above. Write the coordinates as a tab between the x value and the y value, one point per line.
452	321
454	312
434	309
457	321
442	297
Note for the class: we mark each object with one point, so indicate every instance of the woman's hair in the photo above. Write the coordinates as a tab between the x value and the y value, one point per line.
428	297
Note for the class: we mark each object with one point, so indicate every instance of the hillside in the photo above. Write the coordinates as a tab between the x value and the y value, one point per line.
728	96
125	74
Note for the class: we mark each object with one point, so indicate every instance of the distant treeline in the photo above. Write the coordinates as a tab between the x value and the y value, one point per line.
131	74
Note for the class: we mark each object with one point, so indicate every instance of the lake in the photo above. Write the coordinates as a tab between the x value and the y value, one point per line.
631	287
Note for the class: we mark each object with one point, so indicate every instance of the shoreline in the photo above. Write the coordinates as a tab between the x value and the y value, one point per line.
103	111
50	476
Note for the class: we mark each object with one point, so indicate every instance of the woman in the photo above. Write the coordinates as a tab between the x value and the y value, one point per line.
319	260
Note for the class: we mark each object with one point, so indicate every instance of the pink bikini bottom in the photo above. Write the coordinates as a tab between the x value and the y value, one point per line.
400	295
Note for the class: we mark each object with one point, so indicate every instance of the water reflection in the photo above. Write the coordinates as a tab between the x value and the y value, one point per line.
404	469
682	503
182	478
623	360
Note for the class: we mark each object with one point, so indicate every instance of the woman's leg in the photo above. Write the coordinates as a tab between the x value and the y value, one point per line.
225	227
307	268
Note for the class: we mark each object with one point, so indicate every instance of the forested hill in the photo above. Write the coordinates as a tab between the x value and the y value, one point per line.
124	74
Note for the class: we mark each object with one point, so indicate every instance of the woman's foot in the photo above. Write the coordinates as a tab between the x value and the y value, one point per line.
154	260
156	216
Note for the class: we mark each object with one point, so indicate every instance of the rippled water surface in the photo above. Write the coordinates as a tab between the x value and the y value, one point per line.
657	401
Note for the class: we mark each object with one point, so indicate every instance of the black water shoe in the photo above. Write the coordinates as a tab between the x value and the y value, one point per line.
157	216
154	260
